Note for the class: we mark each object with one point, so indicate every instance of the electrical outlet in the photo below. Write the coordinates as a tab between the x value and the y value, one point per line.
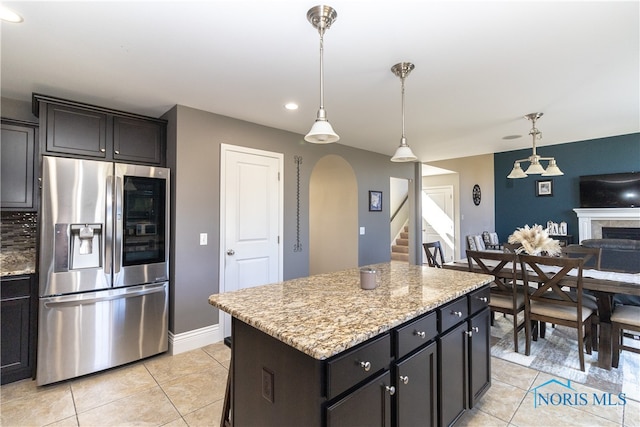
203	238
267	385
362	231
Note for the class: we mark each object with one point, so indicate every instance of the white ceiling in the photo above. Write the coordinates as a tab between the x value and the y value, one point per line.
480	66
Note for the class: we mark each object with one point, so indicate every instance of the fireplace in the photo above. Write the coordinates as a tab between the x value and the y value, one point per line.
591	221
632	233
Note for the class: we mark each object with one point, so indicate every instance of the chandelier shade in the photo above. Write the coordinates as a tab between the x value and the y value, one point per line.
403	152
535	168
321	17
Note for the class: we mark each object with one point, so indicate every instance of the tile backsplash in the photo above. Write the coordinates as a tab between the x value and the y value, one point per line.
18	230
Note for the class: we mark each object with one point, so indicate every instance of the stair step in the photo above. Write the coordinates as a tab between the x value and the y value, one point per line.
400	249
399	257
404	235
402	242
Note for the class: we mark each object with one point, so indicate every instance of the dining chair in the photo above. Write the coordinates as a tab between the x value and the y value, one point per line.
591	257
434	251
505	295
549	302
624	317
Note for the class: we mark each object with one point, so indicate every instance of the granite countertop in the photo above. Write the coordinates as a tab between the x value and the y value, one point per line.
17	262
325	314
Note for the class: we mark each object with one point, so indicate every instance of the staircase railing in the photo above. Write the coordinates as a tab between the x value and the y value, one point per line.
406	198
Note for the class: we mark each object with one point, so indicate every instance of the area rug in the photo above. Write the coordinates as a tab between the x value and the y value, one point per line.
557	354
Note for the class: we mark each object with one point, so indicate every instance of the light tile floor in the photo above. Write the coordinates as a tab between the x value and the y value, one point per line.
188	390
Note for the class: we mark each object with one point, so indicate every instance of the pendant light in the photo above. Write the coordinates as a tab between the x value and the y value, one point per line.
321	17
403	152
535	168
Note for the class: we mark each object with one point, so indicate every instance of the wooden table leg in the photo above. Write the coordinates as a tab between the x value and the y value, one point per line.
605	305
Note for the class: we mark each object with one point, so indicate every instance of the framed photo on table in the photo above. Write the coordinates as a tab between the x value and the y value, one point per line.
375	201
544	187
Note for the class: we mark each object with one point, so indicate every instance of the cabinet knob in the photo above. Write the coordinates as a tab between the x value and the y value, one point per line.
103	150
117	152
366	366
475	329
404	379
457	313
484	299
469	333
390	389
420	334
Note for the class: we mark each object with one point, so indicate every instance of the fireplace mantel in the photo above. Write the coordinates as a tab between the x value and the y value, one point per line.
591	220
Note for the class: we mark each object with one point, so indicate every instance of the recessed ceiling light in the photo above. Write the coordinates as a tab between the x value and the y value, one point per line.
291	106
512	137
9	15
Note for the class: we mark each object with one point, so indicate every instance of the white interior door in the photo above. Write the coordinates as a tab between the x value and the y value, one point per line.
251	206
437	215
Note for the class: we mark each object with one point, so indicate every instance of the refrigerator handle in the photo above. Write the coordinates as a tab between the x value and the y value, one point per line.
83	301
108	236
117	244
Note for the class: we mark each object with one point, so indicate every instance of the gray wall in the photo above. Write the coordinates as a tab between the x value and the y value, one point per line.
193	154
194	139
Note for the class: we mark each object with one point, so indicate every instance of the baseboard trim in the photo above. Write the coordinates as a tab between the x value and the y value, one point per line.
191	340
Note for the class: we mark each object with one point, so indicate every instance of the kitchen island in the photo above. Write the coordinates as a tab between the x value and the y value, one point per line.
321	351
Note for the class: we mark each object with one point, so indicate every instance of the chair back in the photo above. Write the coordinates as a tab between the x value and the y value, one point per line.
434	251
501	265
591	256
548	273
510	247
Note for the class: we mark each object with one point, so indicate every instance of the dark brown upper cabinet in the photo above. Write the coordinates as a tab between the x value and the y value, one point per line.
18	148
73	129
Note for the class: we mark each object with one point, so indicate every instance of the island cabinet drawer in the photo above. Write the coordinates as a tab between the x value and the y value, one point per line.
358	364
414	334
479	299
453	313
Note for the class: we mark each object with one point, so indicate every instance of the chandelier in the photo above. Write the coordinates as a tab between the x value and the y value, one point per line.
403	152
321	17
535	168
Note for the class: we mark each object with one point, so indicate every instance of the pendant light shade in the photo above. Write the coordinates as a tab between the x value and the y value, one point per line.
535	168
403	152
517	172
321	17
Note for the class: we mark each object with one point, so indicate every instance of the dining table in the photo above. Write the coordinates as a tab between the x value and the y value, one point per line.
602	284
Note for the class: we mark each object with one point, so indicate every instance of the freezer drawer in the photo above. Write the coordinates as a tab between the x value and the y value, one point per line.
84	333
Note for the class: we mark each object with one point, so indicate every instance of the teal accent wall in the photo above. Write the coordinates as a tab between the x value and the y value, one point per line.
516	203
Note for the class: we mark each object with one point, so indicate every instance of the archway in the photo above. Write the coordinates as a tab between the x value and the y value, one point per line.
333	216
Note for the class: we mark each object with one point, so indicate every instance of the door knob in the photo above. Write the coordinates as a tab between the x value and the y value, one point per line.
231	252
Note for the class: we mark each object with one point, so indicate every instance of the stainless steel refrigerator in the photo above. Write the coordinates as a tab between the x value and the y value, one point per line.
104	266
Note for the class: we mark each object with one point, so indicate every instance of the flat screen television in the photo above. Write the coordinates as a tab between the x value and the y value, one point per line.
616	190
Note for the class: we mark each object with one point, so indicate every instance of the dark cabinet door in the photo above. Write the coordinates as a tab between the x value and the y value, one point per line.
138	140
17	329
479	356
77	131
17	145
417	388
369	405
74	129
453	364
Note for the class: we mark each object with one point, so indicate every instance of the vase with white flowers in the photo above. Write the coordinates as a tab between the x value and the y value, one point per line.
535	241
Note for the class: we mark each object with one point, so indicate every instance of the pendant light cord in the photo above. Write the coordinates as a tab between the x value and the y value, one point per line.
321	31
402	85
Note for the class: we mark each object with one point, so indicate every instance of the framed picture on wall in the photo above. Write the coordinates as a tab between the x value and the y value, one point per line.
375	201
544	187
